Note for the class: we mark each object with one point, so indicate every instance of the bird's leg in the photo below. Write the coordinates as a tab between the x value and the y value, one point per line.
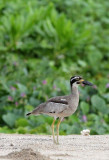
52	126
57	127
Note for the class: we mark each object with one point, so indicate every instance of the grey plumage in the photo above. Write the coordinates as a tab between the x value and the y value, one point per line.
61	106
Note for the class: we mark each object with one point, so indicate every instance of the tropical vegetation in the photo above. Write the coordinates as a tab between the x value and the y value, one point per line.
42	44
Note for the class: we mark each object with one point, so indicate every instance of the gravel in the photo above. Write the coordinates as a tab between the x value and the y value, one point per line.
41	147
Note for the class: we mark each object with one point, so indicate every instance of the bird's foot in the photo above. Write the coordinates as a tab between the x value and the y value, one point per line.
54	141
57	143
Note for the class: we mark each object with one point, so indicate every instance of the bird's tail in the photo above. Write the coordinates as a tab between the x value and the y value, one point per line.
34	112
37	111
28	114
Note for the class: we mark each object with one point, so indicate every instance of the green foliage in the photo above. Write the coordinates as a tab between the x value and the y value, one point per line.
43	44
84	107
99	104
9	119
22	122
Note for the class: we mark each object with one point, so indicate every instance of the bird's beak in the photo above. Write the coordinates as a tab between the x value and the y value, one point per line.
85	82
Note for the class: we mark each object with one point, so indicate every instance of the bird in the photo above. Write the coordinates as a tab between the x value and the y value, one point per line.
61	106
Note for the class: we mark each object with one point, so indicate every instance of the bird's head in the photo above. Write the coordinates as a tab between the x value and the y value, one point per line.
76	80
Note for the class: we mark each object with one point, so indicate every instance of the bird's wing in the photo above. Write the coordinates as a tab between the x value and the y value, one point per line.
56	105
59	99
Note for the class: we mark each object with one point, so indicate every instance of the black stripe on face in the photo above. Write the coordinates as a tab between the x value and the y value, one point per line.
72	82
74	79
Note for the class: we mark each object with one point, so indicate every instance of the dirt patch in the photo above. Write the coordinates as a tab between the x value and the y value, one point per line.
25	154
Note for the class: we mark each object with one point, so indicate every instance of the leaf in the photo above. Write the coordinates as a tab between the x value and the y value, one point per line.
99	104
22	88
21	130
22	122
34	101
82	63
9	119
85	107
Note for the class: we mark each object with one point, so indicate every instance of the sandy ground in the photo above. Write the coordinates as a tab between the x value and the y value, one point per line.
39	147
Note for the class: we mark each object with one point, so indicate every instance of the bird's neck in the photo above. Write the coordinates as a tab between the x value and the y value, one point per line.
74	89
74	97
